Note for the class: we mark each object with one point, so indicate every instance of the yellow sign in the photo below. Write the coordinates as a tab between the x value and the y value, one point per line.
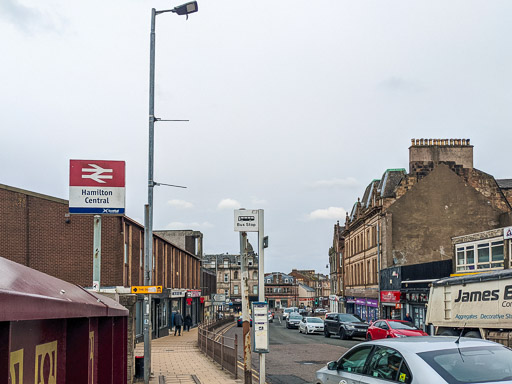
147	289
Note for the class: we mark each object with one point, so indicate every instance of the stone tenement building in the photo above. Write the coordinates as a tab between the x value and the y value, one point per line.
399	233
229	278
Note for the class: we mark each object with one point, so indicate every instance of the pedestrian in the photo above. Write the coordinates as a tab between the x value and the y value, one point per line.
408	317
188	323
178	322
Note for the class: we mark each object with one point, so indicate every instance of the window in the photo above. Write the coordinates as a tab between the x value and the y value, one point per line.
250	262
286	280
226	278
255	289
213	264
386	363
226	263
354	360
235	290
226	292
487	363
235	277
255	275
489	255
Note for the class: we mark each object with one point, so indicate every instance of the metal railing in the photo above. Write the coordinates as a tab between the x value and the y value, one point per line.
220	348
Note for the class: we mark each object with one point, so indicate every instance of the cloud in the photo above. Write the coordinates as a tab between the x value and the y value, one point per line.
180	204
193	225
398	84
228	204
333	183
331	213
27	19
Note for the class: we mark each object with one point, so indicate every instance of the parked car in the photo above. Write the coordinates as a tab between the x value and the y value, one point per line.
382	329
287	312
270	317
240	321
321	310
311	325
345	325
421	360
293	320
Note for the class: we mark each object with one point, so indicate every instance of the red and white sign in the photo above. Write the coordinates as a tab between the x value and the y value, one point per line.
97	187
390	296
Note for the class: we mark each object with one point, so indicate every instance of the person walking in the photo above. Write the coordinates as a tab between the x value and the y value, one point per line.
178	322
188	322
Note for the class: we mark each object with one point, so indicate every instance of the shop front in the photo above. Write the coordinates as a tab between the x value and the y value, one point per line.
177	304
366	308
350	302
391	305
193	305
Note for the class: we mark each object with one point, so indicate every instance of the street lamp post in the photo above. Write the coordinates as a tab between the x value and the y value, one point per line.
184	9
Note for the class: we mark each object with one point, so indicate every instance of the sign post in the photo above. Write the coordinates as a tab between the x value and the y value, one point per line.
96	187
252	220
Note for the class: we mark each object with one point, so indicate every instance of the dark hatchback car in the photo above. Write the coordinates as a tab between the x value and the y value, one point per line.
345	325
240	321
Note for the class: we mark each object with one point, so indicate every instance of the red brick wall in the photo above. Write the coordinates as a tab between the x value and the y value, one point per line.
34	231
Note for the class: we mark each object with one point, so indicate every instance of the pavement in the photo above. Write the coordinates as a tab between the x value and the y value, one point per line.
177	359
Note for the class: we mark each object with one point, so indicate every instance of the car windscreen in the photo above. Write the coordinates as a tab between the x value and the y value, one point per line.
288	310
399	325
295	317
471	365
350	318
314	320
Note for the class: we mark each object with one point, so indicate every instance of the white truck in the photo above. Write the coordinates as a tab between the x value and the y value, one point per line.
475	305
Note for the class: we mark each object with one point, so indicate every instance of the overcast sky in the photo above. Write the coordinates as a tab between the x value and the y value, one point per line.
294	106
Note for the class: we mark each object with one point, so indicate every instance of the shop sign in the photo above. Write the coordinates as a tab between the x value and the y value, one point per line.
194	293
350	300
372	303
507	233
175	293
390	296
360	301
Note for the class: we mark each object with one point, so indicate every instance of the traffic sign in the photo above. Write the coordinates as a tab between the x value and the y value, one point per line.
145	289
96	187
246	220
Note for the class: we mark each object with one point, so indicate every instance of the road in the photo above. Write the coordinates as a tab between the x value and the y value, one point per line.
294	357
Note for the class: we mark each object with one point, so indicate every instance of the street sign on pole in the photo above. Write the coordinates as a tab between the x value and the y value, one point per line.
96	187
147	289
246	220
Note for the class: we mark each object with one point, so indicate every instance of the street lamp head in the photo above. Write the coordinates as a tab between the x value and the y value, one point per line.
186	9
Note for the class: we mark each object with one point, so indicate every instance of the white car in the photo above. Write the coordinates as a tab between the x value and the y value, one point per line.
421	360
311	325
287	312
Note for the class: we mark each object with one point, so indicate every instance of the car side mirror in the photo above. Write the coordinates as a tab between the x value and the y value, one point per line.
332	366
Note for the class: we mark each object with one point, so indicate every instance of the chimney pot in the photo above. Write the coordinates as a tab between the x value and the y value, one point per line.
467	141
429	141
412	142
451	141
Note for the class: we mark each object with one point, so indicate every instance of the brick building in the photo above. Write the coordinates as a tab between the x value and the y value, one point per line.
37	231
319	282
408	219
281	290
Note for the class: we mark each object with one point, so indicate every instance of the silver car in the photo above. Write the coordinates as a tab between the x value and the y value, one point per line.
311	325
421	360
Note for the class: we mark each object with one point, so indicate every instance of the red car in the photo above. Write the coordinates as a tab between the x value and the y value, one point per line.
382	329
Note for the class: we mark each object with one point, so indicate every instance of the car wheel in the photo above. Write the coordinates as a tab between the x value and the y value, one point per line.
368	337
473	334
326	333
343	335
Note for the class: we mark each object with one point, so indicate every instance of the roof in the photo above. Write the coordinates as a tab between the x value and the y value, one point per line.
504	183
390	180
430	343
307	287
33	295
487	276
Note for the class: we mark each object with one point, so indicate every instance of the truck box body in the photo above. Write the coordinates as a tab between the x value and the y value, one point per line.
480	302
